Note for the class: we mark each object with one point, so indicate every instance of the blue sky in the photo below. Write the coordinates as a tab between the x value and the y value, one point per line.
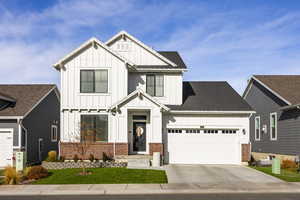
219	40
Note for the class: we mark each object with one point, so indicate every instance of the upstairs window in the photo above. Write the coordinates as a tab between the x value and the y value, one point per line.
155	85
273	126
93	81
257	128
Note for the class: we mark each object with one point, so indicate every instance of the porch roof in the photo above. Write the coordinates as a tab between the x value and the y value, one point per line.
138	92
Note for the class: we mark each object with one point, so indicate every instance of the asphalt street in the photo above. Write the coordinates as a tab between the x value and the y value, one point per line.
275	196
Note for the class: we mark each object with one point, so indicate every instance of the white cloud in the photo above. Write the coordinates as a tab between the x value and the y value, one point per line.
217	45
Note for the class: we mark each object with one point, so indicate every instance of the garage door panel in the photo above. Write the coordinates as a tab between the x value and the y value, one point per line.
203	149
6	147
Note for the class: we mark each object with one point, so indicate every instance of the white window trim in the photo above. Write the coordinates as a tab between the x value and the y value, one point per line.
259	128
56	128
271	114
108	124
164	86
108	81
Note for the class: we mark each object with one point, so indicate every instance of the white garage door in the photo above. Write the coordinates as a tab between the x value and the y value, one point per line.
203	147
6	147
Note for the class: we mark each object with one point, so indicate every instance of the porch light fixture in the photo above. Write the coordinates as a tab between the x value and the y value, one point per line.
244	131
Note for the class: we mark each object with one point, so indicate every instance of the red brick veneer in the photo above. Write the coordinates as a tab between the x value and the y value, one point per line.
68	150
156	147
245	152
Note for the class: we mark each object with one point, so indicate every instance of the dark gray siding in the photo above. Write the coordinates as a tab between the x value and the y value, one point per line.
288	128
11	123
38	124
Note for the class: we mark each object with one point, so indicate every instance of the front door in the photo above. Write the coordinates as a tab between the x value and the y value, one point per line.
139	136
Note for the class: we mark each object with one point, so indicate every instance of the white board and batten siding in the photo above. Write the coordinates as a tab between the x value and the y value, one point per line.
136	53
204	148
93	58
172	87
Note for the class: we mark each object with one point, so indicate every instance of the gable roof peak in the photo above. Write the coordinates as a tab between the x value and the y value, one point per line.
93	41
149	49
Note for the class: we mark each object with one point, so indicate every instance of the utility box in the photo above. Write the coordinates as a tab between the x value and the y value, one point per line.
276	166
156	159
20	161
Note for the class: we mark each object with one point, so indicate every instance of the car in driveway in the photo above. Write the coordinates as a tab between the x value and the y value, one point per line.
216	174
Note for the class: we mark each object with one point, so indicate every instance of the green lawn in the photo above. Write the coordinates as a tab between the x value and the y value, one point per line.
286	175
104	176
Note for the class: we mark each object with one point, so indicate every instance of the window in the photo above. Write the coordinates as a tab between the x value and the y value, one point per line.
229	131
93	81
54	133
257	128
94	128
211	131
155	85
273	126
192	130
174	130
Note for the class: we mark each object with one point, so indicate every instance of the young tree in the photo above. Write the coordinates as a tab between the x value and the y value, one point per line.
82	142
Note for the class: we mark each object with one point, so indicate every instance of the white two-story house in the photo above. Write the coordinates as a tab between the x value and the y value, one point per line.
135	100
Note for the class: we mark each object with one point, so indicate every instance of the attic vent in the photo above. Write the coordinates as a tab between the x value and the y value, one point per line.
123	46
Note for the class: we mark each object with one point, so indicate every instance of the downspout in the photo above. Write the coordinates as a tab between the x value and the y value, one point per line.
20	122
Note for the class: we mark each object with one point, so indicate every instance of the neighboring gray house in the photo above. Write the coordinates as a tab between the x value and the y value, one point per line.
29	121
275	128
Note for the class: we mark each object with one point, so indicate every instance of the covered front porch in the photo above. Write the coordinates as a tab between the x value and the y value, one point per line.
139	121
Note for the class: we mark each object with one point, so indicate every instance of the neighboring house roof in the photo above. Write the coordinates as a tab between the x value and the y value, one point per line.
133	94
286	87
26	97
6	97
210	96
152	51
91	41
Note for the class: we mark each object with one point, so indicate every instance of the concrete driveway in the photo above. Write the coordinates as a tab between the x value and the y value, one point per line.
216	174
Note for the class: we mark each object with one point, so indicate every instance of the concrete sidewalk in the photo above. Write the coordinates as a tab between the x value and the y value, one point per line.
114	189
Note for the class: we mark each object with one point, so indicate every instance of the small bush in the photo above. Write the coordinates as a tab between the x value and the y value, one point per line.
52	156
11	176
26	171
76	158
92	158
62	159
105	157
37	172
288	164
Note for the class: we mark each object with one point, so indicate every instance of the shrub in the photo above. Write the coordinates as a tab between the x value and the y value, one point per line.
52	156
37	172
11	176
62	159
26	171
92	158
288	164
76	158
105	157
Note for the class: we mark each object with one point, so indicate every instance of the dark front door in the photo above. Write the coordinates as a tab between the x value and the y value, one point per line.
139	136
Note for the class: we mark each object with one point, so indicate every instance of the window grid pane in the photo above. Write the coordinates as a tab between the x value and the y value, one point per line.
150	85
94	128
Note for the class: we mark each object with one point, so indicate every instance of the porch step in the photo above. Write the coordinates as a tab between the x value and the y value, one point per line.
135	161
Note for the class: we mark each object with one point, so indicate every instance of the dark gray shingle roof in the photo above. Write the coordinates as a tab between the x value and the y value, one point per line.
170	55
26	96
211	96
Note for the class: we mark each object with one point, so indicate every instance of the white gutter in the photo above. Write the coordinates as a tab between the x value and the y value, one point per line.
210	112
